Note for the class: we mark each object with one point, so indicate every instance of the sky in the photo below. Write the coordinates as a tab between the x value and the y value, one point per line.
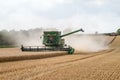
91	15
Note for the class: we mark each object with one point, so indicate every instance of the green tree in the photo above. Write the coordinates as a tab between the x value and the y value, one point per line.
118	31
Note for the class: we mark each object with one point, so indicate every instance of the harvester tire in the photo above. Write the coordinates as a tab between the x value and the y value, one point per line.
71	51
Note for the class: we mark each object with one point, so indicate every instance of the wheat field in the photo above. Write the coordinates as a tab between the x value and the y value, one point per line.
102	65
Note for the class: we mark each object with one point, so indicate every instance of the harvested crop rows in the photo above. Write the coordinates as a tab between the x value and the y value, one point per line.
102	65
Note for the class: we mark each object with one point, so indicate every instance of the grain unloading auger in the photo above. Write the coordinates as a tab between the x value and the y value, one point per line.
53	41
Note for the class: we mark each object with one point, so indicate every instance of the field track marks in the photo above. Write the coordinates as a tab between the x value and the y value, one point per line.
72	60
90	56
29	57
65	65
44	69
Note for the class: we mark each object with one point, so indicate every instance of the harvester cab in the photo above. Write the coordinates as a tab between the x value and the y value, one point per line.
53	41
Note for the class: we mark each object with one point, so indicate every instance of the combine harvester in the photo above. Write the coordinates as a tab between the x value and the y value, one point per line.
52	41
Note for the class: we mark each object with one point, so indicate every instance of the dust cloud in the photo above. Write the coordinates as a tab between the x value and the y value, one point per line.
23	37
82	43
85	43
31	37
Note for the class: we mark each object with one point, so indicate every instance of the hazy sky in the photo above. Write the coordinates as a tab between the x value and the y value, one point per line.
92	15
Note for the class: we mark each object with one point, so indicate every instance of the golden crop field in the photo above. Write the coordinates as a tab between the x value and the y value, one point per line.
102	65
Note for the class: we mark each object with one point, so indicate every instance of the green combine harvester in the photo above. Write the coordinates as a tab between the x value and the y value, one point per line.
53	41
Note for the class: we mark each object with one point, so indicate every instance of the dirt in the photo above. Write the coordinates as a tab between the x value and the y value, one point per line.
102	65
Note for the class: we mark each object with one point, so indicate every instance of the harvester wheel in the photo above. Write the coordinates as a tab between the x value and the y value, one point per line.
71	51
